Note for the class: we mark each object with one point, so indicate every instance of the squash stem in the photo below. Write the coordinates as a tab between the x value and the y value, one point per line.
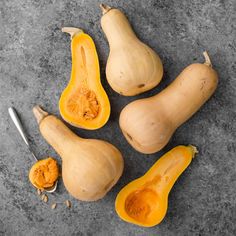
72	31
194	150
39	113
207	59
105	8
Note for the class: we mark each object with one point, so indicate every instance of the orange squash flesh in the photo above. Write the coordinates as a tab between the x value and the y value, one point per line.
44	173
84	103
144	201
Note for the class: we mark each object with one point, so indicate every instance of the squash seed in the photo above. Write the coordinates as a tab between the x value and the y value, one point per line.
68	203
39	191
44	197
54	205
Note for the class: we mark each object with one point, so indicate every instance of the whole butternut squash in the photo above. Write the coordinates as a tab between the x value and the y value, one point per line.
84	103
132	67
149	123
144	201
90	167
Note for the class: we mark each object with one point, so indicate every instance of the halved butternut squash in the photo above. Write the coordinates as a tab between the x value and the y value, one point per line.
84	103
144	201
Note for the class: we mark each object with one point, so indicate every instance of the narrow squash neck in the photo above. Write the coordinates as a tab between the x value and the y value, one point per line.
164	173
58	135
117	28
189	91
176	106
55	132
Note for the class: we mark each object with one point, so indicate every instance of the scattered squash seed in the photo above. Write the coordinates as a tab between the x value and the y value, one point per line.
54	205
44	197
39	191
68	203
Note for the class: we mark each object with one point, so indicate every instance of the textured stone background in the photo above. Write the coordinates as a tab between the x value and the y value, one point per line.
35	64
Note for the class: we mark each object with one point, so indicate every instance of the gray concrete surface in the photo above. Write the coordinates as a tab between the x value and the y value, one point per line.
35	64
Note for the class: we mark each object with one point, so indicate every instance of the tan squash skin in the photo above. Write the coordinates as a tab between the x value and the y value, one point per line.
149	123
132	67
144	201
90	167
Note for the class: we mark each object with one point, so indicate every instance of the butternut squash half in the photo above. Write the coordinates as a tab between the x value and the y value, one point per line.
144	201
84	103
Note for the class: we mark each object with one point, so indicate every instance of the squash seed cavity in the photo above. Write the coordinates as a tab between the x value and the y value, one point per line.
83	104
138	204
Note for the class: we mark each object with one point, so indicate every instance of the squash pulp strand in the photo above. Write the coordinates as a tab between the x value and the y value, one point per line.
84	104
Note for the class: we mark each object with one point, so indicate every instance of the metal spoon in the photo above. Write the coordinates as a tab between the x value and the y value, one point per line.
18	124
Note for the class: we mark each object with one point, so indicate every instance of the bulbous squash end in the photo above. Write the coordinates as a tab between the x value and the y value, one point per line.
143	207
92	124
